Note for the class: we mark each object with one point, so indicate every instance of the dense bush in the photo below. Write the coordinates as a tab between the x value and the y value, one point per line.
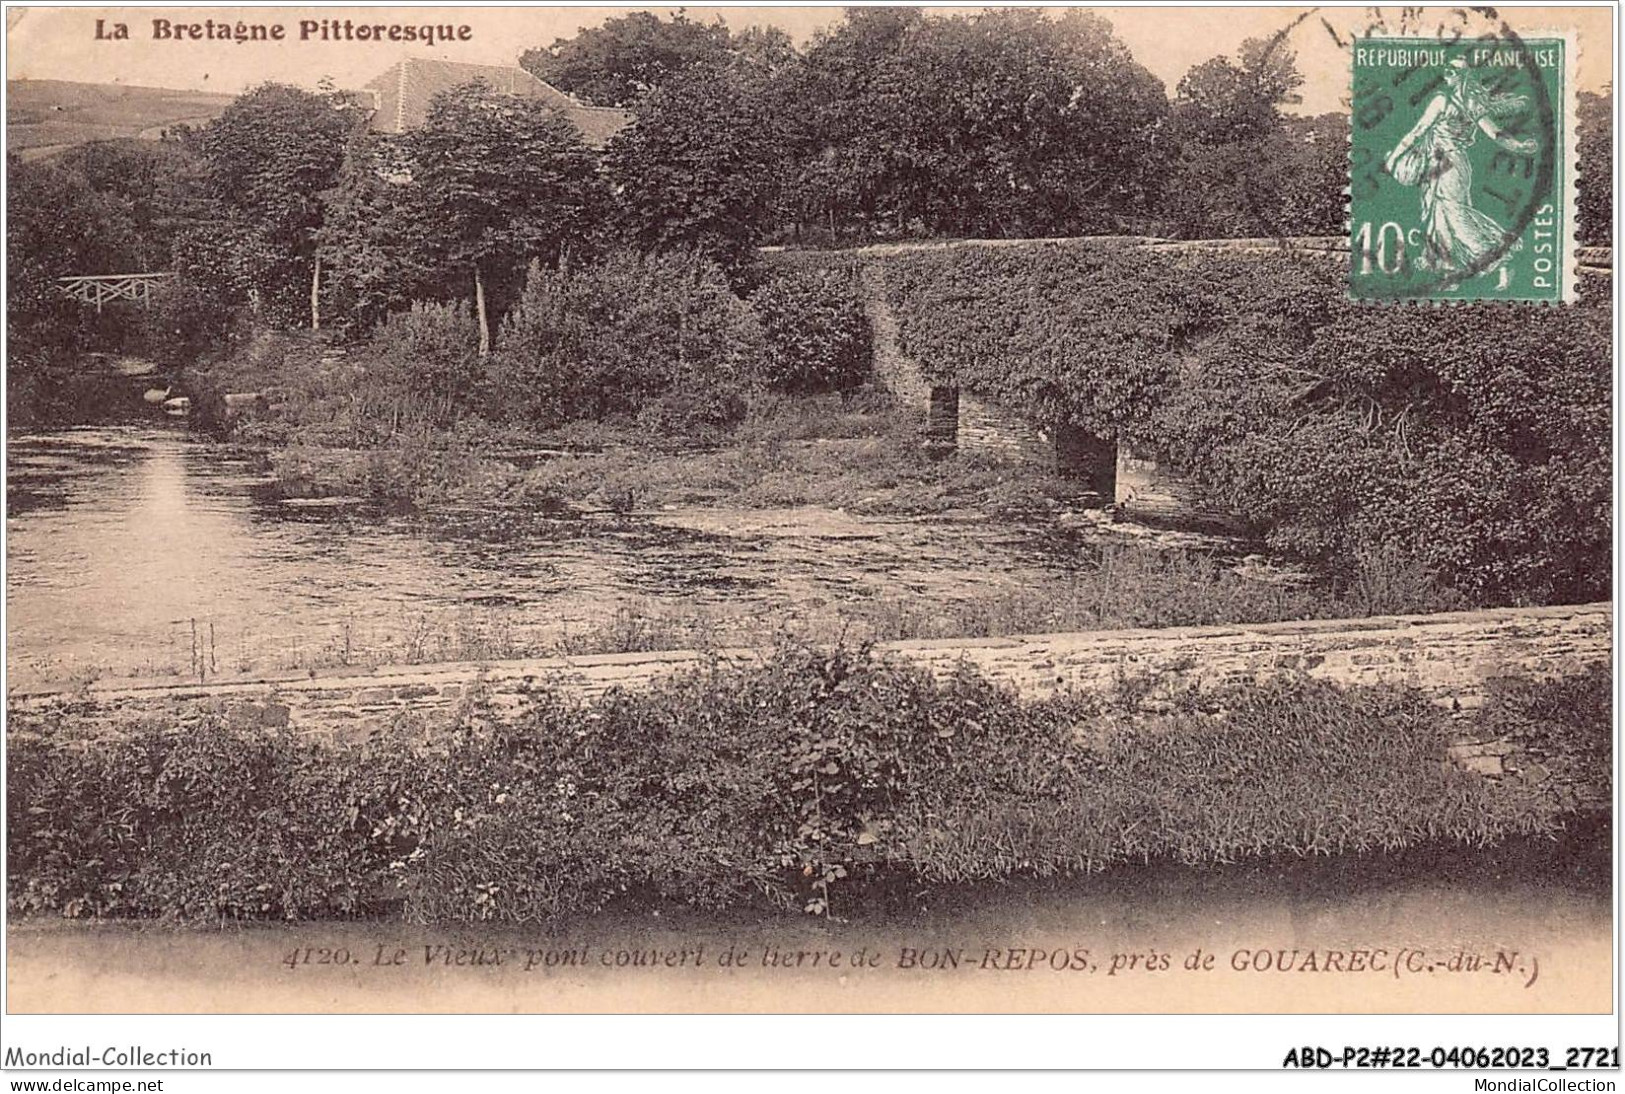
419	372
429	357
661	340
628	333
791	784
1475	439
47	383
816	331
183	327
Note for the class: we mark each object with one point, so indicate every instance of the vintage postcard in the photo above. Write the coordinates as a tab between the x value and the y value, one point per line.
798	509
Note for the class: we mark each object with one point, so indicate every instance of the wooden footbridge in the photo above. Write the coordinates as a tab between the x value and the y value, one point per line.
97	289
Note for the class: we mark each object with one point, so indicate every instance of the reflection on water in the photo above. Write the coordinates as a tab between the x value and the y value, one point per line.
141	551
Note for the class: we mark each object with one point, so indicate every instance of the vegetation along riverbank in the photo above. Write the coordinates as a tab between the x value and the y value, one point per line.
820	781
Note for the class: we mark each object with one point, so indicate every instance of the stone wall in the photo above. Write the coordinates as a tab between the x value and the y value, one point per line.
1449	657
986	428
1147	490
951	418
1144	488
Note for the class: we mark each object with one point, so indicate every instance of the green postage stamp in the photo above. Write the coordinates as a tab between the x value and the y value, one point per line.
1461	169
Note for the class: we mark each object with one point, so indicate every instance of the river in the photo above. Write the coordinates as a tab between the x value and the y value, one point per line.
139	551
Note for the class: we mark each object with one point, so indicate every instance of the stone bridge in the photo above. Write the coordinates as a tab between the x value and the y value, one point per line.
1131	480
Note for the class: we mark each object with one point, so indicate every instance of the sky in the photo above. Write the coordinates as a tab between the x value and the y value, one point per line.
60	43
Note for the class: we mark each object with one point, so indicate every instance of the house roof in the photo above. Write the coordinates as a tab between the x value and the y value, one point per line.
403	91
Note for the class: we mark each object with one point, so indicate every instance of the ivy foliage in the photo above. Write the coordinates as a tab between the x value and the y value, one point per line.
1476	439
1595	182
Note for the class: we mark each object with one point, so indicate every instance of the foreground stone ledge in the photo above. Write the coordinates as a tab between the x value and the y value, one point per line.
1450	657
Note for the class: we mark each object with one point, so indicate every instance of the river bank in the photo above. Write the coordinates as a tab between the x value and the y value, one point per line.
804	779
856	453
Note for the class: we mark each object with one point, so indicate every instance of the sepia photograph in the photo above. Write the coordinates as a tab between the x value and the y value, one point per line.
809	510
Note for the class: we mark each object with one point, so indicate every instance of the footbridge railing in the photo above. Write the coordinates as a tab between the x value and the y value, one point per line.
97	289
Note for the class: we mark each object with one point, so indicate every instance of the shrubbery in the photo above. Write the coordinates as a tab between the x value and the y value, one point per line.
817	334
47	383
1475	439
428	358
662	334
1555	723
661	340
184	326
793	784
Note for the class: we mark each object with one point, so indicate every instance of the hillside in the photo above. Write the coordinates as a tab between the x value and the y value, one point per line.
43	116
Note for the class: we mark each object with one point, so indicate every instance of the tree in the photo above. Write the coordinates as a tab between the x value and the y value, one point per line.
59	225
267	159
616	64
699	167
496	181
371	246
769	50
1013	123
1241	167
1312	164
153	180
1008	122
1216	103
1220	101
836	119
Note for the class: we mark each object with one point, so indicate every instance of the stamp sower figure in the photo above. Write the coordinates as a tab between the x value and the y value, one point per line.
1433	155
